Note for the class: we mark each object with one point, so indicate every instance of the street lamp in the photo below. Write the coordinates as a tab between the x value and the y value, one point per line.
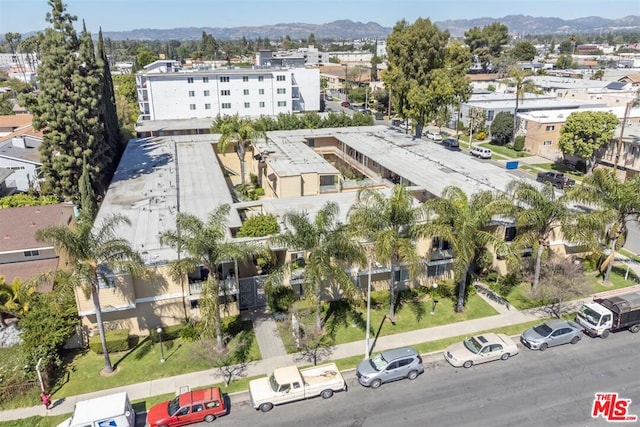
366	340
433	298
159	331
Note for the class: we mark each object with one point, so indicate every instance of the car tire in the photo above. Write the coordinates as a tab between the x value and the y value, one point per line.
505	356
467	364
266	407
604	334
412	375
544	346
634	329
575	340
376	383
326	394
210	418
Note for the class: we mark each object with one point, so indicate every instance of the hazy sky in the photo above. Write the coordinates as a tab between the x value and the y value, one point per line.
116	15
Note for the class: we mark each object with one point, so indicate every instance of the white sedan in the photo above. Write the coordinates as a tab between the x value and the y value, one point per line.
481	349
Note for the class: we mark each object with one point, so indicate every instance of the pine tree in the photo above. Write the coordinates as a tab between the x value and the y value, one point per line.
110	116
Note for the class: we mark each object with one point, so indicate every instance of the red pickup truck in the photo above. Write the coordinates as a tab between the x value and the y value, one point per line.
188	408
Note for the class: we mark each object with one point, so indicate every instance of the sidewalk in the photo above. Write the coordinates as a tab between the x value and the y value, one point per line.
507	316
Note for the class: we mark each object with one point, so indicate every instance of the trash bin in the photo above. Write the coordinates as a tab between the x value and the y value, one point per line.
512	165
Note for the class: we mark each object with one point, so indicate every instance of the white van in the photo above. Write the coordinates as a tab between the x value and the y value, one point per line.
481	152
110	410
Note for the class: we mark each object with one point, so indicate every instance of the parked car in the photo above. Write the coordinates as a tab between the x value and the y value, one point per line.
481	349
451	143
188	408
550	333
390	365
345	104
435	136
556	179
481	152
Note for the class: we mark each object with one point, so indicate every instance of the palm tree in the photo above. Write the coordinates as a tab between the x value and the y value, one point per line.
239	132
539	213
15	298
330	250
520	79
463	221
388	223
206	244
617	203
93	253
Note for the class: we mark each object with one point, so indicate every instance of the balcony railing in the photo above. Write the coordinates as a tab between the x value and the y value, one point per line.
330	188
226	287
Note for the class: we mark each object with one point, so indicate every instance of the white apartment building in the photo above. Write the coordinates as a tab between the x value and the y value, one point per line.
166	91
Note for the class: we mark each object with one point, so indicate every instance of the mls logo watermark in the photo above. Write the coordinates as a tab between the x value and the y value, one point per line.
612	408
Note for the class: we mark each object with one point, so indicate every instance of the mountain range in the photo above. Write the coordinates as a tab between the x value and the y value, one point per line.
349	30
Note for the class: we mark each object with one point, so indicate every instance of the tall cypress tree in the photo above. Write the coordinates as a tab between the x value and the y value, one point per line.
110	116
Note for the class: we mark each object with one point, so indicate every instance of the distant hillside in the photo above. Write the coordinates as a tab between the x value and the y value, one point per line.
349	30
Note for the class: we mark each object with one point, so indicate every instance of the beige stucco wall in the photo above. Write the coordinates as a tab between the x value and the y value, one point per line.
537	133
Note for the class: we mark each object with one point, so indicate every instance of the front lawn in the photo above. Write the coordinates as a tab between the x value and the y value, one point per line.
504	151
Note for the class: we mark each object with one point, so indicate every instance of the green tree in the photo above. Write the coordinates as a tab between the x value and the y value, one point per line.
328	249
259	225
584	132
20	200
463	221
388	224
617	205
145	57
523	51
486	43
502	128
477	117
598	75
565	62
108	113
205	244
93	255
239	133
15	298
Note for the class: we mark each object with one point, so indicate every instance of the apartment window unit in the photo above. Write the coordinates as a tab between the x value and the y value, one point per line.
245	78
106	282
207	106
205	80
224	79
192	93
281	78
189	79
247	105
401	275
246	91
547	142
192	106
260	91
260	78
282	103
207	93
225	92
550	128
31	253
490	115
281	91
226	105
261	104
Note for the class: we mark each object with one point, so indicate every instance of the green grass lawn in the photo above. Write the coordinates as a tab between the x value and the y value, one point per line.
504	151
350	326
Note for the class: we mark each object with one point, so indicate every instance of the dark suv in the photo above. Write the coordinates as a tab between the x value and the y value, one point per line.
390	365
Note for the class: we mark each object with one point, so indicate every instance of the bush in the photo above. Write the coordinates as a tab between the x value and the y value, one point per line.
259	192
380	298
117	340
259	225
190	332
232	325
518	144
482	135
279	298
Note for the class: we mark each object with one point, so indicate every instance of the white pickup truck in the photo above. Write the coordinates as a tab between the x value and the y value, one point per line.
289	384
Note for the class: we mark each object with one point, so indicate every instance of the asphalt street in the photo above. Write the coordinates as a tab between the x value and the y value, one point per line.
551	388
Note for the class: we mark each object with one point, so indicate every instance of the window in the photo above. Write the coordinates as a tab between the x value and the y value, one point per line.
192	106
213	404
550	128
392	365
490	115
404	362
183	411
245	78
247	105
207	106
260	91
207	93
226	105
196	408
189	79
509	234
246	91
401	275
261	105
31	253
192	93
260	78
281	91
496	347
205	80
284	388
281	78
106	282
547	142
225	92
296	384
224	79
282	103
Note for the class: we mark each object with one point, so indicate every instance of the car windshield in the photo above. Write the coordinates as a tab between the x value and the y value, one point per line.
378	362
273	383
589	314
472	345
174	405
543	330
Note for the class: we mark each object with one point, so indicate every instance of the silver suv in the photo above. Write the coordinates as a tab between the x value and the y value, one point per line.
390	365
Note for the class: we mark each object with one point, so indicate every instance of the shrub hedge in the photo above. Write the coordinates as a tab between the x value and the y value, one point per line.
117	340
